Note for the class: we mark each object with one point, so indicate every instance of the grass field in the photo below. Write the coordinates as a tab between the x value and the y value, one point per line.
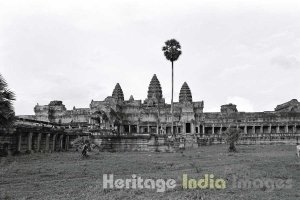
68	176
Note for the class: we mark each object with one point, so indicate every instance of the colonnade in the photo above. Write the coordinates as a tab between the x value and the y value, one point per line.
42	142
211	129
250	129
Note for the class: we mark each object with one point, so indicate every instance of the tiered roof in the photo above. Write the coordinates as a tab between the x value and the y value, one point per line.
118	93
185	94
154	89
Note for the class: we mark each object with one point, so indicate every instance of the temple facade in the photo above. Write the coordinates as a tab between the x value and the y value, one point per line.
153	115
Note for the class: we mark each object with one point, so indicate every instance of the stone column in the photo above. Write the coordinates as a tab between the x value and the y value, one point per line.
262	129
270	131
294	129
29	141
213	129
61	142
47	142
53	144
193	128
184	128
67	140
253	129
148	128
38	145
19	147
165	128
278	129
138	128
129	129
203	129
121	129
245	129
286	128
221	131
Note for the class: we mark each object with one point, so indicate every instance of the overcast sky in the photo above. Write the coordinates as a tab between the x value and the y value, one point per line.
242	52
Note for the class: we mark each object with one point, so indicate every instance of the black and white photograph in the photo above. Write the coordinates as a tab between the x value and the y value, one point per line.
149	99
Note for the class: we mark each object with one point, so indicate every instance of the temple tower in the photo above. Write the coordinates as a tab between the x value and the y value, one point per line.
154	89
185	94
118	93
131	98
229	108
154	96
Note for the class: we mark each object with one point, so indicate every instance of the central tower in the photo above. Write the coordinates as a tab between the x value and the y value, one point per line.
154	96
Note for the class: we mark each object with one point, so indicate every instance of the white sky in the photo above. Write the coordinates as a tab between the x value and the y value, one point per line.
242	52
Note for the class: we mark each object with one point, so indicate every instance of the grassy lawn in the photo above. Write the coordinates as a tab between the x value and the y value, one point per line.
68	176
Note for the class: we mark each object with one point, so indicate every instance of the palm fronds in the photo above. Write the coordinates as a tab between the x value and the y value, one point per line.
7	97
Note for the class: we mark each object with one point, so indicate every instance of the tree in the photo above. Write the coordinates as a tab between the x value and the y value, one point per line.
172	51
232	136
7	97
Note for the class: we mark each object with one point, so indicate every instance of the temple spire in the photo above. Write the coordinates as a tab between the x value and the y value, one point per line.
154	89
185	94
118	93
131	98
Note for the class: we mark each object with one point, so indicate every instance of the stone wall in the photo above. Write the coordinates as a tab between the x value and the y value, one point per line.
135	143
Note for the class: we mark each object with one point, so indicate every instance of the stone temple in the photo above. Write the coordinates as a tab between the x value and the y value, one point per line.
153	115
116	124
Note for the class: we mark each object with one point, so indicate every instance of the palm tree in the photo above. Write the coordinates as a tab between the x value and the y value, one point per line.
172	51
7	113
